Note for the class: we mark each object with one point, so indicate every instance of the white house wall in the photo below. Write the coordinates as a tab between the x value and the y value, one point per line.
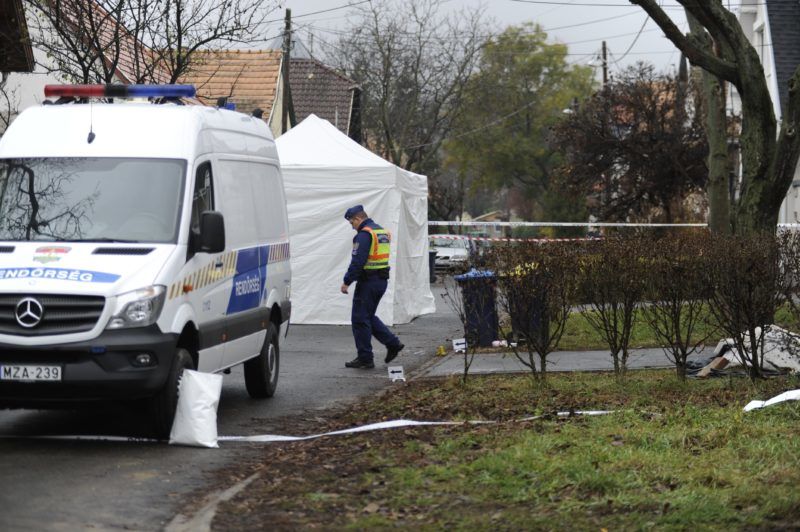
755	24
28	88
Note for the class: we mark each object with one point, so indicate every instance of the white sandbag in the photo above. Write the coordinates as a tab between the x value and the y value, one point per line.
196	415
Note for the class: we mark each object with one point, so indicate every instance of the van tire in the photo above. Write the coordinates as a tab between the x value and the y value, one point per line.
261	372
166	401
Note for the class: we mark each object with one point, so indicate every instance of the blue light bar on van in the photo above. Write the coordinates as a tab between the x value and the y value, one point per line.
119	91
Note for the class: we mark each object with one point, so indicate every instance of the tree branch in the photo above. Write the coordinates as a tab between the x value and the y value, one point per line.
688	45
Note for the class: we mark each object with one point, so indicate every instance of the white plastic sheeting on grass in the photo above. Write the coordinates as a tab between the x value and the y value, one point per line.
781	349
269	438
791	395
397	423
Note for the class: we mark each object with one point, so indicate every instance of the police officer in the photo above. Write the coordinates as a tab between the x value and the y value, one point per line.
369	269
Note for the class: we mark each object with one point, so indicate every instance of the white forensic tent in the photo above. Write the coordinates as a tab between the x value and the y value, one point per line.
325	172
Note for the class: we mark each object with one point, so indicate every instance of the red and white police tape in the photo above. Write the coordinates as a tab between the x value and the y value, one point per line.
498	239
440	223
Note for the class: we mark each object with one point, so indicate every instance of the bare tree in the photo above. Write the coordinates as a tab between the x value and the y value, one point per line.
139	41
677	293
769	160
612	291
9	103
748	287
636	146
447	194
413	64
537	285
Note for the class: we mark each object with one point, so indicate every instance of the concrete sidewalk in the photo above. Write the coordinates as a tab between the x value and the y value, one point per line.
557	361
441	327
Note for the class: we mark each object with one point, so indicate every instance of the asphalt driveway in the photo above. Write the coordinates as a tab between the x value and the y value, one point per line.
69	484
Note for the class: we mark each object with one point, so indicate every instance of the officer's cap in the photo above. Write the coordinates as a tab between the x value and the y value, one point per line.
352	211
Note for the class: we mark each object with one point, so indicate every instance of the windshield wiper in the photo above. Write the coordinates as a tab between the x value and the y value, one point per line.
104	240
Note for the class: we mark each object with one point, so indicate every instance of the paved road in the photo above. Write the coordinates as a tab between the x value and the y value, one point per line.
69	485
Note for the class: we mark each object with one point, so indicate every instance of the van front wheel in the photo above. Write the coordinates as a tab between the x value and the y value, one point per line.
261	372
165	403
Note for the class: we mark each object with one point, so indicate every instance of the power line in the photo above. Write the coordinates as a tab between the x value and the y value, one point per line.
478	129
345	6
646	18
595	21
490	35
570	4
333	9
569	43
575	4
620	35
555	8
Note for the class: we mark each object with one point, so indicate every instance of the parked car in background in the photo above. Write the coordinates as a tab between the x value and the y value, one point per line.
451	253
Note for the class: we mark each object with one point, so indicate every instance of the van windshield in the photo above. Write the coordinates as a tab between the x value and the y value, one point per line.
90	199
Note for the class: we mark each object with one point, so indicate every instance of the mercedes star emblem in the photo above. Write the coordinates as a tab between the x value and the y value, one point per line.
29	312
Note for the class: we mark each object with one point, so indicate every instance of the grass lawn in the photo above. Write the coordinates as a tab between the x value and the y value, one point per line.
579	335
673	456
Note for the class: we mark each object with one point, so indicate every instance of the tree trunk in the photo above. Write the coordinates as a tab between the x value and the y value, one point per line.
719	220
719	164
762	191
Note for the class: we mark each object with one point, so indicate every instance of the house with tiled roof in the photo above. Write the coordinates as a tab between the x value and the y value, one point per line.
25	68
773	28
250	79
318	89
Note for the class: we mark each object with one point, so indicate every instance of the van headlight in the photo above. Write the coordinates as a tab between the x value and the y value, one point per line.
139	308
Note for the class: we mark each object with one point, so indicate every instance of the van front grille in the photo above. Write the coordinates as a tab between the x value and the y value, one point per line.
48	314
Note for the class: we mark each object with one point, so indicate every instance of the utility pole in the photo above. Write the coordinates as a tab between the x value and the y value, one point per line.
287	47
605	64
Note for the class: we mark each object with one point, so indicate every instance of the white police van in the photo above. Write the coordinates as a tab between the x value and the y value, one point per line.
137	240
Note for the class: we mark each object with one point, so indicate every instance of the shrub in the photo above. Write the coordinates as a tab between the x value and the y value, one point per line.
677	293
536	288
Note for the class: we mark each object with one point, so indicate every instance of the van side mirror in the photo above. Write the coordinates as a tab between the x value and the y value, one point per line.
212	232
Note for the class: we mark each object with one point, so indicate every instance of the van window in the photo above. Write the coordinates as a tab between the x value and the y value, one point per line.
252	197
271	216
90	199
203	197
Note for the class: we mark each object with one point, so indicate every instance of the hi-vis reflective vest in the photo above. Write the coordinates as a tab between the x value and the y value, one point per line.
378	258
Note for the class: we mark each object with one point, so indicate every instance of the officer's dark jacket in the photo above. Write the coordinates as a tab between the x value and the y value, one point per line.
361	244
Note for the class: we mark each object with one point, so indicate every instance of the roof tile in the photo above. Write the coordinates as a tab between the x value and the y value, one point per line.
249	78
318	89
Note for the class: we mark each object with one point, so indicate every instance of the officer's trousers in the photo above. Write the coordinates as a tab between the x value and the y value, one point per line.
366	324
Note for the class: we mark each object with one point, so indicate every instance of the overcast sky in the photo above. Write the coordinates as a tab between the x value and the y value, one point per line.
581	24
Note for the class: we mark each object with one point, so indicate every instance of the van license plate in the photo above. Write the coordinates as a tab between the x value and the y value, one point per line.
30	373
